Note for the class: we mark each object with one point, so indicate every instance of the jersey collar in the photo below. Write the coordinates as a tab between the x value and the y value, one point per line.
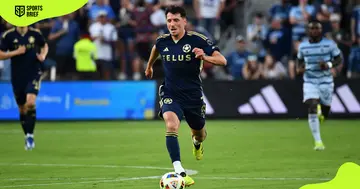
20	33
177	41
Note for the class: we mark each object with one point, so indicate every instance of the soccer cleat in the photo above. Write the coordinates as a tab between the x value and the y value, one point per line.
319	146
320	115
188	180
29	143
198	153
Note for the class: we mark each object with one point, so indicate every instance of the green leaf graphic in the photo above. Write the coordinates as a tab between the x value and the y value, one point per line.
27	12
348	177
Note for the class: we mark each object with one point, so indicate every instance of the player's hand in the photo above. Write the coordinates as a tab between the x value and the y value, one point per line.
199	53
323	65
40	57
21	49
300	71
149	73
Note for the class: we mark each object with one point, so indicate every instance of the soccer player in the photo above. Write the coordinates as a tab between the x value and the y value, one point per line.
183	53
316	56
27	49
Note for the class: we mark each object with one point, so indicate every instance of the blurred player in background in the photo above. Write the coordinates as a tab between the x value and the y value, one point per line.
183	53
27	49
316	57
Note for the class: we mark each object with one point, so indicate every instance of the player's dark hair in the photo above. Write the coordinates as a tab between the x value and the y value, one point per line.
314	22
176	10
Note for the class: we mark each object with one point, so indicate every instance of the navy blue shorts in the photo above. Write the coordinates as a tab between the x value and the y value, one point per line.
21	89
193	114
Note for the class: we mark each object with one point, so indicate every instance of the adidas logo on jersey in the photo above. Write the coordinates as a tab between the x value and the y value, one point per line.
166	49
266	102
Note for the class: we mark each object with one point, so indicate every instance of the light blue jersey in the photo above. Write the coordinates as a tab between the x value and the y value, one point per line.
318	84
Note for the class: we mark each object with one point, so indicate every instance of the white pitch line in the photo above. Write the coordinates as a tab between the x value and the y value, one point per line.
157	177
189	171
51	179
83	182
108	180
202	178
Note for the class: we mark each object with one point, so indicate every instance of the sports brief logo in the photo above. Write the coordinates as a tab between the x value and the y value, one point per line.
29	10
266	102
19	10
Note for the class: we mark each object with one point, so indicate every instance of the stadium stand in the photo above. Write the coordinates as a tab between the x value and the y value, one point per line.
265	26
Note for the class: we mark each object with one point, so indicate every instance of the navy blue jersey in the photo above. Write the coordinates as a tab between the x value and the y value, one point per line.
26	66
182	69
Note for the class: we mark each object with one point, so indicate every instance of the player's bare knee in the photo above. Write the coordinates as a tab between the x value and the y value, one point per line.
172	126
30	101
30	105
171	121
22	109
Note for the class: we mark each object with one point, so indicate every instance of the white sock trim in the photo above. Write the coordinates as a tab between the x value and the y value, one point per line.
196	142
178	167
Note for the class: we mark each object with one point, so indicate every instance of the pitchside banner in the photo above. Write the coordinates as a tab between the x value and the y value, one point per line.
86	101
274	99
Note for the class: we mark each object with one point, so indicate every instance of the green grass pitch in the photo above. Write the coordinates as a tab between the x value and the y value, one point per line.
128	155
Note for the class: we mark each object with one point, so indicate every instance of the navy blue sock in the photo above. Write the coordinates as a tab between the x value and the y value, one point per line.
172	145
22	121
31	120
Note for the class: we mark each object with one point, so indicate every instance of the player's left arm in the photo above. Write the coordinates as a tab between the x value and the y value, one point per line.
215	58
336	53
44	47
43	53
210	53
336	61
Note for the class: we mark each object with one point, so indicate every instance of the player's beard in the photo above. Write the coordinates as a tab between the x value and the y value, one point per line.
174	32
178	32
316	38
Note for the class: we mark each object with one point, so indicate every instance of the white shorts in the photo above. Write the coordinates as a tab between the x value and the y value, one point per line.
323	92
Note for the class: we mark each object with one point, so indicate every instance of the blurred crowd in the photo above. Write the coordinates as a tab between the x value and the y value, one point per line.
269	48
112	39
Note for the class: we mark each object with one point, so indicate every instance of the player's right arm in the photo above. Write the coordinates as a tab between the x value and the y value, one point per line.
300	63
153	56
4	49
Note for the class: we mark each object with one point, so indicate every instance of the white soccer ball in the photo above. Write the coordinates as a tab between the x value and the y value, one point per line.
172	180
